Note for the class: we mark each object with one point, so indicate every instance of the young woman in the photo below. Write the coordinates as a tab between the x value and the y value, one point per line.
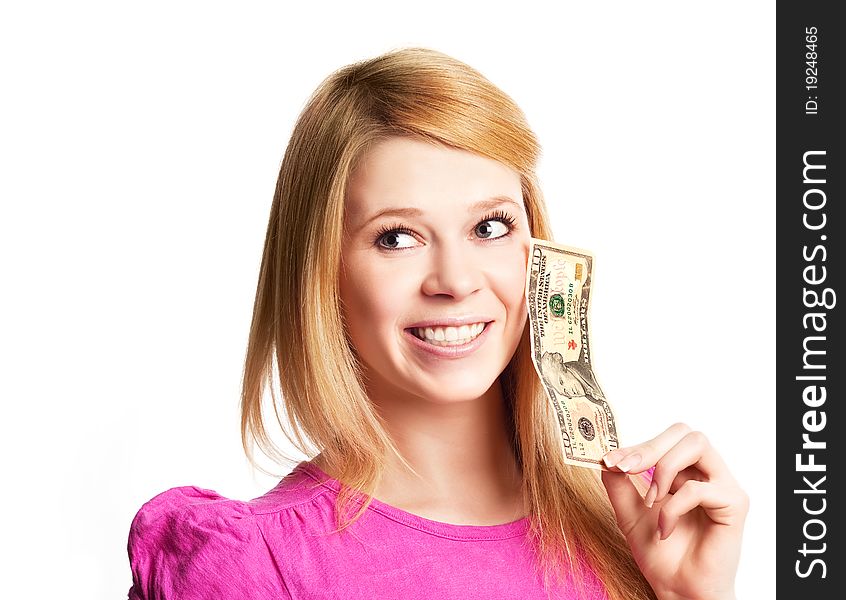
390	311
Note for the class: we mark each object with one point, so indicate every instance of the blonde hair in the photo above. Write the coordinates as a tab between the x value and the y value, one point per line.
297	325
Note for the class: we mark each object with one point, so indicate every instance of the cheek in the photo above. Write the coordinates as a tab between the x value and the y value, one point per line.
373	297
510	278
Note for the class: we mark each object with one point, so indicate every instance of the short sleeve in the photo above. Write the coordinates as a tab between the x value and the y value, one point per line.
191	543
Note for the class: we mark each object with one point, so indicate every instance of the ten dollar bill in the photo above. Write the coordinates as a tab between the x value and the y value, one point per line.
558	282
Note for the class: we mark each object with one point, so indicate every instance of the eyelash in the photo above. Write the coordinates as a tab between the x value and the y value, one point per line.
498	215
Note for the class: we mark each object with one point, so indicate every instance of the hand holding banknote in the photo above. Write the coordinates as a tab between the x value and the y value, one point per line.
692	494
685	535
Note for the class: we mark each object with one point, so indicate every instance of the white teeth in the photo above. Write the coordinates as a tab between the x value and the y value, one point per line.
449	336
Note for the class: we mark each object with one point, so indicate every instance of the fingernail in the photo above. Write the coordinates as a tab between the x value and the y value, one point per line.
610	459
631	461
650	495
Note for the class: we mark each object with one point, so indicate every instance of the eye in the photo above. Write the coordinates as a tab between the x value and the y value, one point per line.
389	238
485	231
502	219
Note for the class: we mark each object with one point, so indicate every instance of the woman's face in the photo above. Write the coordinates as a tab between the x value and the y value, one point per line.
456	248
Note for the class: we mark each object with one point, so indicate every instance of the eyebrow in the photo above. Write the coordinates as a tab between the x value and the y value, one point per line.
416	212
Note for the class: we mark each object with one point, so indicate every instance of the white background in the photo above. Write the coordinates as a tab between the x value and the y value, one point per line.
140	147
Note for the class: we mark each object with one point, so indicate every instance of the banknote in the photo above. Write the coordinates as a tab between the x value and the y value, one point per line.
558	283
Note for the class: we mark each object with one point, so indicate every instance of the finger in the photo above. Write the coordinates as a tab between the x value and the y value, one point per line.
625	499
643	456
692	451
635	459
682	477
719	502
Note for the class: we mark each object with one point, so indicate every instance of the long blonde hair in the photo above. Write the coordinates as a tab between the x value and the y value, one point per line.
298	331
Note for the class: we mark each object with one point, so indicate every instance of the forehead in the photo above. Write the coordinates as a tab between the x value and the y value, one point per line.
403	171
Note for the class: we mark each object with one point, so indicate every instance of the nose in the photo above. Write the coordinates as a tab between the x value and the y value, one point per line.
452	271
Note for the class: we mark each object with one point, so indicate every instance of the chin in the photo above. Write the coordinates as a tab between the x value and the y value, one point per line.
454	391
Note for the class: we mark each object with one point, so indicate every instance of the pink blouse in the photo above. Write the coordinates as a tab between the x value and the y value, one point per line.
189	543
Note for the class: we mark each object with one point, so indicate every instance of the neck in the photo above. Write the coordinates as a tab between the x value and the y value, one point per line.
468	473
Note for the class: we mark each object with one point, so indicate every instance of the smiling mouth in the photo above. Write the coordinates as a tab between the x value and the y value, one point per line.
449	336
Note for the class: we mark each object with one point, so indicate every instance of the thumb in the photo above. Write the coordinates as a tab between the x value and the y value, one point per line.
626	500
